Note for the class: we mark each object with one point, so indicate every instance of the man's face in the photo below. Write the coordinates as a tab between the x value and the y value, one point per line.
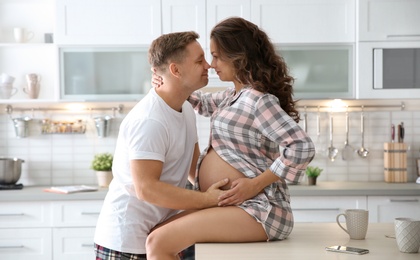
194	68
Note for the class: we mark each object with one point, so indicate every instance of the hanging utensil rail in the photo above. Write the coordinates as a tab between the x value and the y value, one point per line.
9	109
361	107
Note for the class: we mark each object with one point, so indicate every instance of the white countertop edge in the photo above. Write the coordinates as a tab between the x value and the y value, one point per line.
37	193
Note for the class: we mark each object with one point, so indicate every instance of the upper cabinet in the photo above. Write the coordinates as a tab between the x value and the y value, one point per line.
201	16
389	20
25	26
306	21
107	21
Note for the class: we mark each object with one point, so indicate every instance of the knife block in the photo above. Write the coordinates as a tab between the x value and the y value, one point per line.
395	162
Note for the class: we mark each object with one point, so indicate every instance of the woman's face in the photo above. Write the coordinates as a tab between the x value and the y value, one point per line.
223	68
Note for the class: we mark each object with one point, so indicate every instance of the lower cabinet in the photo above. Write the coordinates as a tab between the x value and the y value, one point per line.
26	243
73	243
48	230
324	208
387	208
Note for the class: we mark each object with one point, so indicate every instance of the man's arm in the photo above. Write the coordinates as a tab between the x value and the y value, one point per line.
146	177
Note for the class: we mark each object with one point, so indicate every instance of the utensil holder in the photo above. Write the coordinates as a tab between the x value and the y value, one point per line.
395	162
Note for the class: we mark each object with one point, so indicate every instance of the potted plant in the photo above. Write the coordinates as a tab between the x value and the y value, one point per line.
102	164
313	173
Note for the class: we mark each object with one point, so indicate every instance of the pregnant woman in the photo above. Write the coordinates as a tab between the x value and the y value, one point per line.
255	141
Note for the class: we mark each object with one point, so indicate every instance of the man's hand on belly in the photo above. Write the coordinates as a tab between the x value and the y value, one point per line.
241	190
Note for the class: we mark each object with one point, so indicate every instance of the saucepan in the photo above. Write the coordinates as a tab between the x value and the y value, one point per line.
10	170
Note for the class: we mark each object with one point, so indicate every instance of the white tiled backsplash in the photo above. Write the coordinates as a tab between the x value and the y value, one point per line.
60	159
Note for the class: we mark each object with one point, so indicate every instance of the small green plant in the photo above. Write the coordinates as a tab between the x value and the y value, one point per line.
313	171
102	162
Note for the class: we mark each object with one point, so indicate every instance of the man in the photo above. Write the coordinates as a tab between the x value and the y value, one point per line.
156	152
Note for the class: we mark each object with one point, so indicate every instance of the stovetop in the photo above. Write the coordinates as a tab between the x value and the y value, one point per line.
18	186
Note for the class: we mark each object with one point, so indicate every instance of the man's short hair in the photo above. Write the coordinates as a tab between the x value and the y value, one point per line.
169	48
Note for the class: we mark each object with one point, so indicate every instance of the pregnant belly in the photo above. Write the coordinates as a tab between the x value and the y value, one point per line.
213	169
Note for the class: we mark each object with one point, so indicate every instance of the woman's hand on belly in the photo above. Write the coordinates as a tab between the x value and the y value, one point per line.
241	190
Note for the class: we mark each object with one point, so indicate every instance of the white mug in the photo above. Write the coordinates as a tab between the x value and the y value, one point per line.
357	221
407	234
21	35
7	91
6	79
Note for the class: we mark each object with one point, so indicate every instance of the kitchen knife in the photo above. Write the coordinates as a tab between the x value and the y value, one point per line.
402	132
392	133
399	133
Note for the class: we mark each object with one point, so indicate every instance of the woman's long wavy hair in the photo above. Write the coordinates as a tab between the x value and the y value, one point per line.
255	60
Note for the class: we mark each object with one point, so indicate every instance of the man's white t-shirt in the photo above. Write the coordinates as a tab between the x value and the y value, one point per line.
154	131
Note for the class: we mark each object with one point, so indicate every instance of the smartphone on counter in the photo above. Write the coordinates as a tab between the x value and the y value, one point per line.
347	250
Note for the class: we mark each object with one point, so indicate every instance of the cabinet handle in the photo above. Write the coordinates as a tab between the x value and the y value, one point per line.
90	213
406	200
88	245
335	209
402	35
11	214
7	247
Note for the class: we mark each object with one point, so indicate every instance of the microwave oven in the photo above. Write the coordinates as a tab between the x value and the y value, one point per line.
389	70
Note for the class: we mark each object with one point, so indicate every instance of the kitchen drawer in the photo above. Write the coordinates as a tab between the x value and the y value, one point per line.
76	213
26	243
384	209
73	243
324	208
25	214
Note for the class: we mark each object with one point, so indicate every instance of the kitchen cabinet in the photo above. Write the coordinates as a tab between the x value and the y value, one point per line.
201	16
387	208
306	21
325	71
48	230
74	227
102	22
32	56
389	20
25	230
324	208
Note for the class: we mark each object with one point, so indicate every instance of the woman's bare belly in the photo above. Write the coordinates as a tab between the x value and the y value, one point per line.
213	169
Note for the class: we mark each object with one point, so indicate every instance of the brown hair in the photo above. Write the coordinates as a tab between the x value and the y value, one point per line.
255	60
170	47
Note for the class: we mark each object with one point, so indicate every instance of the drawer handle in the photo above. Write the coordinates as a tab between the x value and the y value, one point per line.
90	213
402	35
88	245
12	214
407	200
7	247
335	209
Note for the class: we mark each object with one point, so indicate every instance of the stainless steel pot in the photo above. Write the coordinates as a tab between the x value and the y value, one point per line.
10	170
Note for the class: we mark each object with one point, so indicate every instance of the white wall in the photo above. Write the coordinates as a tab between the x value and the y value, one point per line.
60	159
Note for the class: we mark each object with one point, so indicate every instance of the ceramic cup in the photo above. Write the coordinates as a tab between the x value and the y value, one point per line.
7	91
32	88
21	35
407	234
6	79
357	221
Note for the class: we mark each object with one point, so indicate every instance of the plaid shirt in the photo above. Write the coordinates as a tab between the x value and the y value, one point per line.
251	132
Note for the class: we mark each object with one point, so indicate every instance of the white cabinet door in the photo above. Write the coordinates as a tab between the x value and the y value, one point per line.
25	214
218	10
306	21
185	15
76	213
324	208
73	243
389	20
26	243
386	209
107	21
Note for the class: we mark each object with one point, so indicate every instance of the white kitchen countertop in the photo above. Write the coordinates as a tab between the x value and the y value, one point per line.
36	193
308	241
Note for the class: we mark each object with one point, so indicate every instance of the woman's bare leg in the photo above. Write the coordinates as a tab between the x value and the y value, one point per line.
219	224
